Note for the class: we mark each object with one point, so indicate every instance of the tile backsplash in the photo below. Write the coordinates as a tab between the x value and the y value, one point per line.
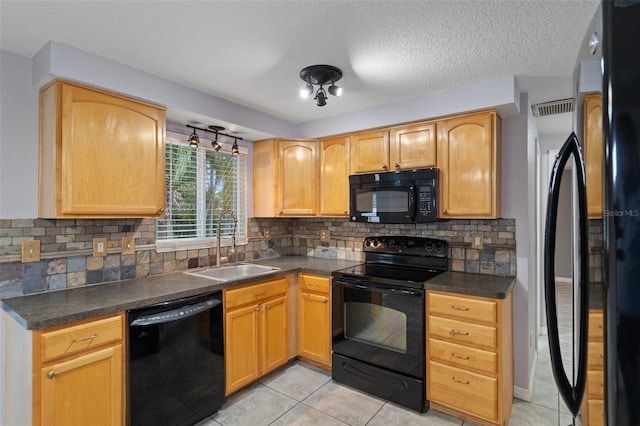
67	258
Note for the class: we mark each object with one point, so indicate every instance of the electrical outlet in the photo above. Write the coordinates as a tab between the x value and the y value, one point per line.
99	247
30	251
477	241
325	235
266	233
128	245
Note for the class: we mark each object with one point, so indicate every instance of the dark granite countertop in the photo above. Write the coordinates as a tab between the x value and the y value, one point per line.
481	285
43	310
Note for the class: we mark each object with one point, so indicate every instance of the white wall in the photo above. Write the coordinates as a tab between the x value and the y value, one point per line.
518	154
18	138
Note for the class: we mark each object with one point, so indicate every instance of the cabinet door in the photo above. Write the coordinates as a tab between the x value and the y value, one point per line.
298	177
314	327
83	390
370	152
413	147
106	158
334	176
241	347
274	334
593	154
469	163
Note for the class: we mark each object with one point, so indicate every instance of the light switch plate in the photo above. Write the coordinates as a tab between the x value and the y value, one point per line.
99	247
325	235
266	233
30	251
477	241
128	245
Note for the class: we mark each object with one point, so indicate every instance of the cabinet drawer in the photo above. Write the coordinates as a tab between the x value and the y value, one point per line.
314	283
595	355
77	338
254	293
596	331
462	307
463	356
483	336
595	384
596	412
468	392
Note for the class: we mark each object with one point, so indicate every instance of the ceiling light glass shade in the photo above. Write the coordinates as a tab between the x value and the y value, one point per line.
335	90
306	91
234	148
321	97
193	140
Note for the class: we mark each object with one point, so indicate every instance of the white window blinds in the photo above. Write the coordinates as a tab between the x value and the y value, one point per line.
199	183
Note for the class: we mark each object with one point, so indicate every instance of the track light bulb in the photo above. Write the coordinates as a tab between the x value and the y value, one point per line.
234	149
306	91
335	90
194	140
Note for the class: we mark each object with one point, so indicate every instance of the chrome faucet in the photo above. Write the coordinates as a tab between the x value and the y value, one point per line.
222	213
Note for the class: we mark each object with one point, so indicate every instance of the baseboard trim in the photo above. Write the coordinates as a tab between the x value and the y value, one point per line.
524	393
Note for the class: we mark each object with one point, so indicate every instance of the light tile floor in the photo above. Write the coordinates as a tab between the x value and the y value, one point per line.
301	394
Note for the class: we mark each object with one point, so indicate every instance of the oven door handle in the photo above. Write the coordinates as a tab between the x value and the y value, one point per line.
372	288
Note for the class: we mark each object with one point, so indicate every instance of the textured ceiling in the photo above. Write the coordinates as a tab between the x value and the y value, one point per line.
251	52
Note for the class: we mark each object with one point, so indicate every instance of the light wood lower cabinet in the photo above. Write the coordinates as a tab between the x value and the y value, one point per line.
314	318
593	405
78	373
255	331
470	356
593	148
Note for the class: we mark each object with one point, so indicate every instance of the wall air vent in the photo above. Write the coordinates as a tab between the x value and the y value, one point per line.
554	107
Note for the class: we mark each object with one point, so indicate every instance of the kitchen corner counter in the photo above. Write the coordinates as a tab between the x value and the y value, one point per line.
49	309
482	285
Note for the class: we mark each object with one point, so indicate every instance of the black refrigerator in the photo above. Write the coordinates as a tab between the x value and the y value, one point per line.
613	39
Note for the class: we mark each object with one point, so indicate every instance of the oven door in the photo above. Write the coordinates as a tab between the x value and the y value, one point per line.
381	326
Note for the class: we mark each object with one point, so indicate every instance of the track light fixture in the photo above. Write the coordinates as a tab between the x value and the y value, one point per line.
234	149
194	140
320	75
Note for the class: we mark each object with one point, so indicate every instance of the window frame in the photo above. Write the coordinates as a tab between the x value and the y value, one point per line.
175	244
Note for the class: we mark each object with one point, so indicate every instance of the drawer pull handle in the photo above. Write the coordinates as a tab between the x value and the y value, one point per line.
461	333
95	336
459	308
313	284
51	374
261	293
455	355
462	382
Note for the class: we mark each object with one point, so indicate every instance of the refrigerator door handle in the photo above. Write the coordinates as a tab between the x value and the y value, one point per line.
572	394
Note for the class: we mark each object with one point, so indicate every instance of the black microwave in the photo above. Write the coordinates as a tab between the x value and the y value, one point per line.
406	196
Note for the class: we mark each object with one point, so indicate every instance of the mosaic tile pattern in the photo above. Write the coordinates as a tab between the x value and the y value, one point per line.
67	259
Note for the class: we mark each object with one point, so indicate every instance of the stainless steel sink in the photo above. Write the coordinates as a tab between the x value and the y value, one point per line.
232	272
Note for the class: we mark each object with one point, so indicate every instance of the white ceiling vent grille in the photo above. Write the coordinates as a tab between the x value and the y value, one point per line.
553	107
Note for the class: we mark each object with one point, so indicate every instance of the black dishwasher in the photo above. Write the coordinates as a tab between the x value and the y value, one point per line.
176	361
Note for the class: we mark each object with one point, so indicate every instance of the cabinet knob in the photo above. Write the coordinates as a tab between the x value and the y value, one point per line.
161	210
51	374
384	167
324	300
444	211
397	166
346	212
257	308
268	306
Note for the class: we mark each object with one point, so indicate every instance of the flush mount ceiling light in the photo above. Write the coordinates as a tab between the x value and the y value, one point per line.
320	75
194	140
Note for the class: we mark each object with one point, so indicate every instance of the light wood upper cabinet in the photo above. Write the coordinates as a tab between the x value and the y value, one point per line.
285	176
334	176
413	147
370	152
78	373
469	159
101	155
593	154
398	148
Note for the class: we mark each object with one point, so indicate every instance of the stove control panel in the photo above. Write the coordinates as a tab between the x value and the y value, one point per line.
416	246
